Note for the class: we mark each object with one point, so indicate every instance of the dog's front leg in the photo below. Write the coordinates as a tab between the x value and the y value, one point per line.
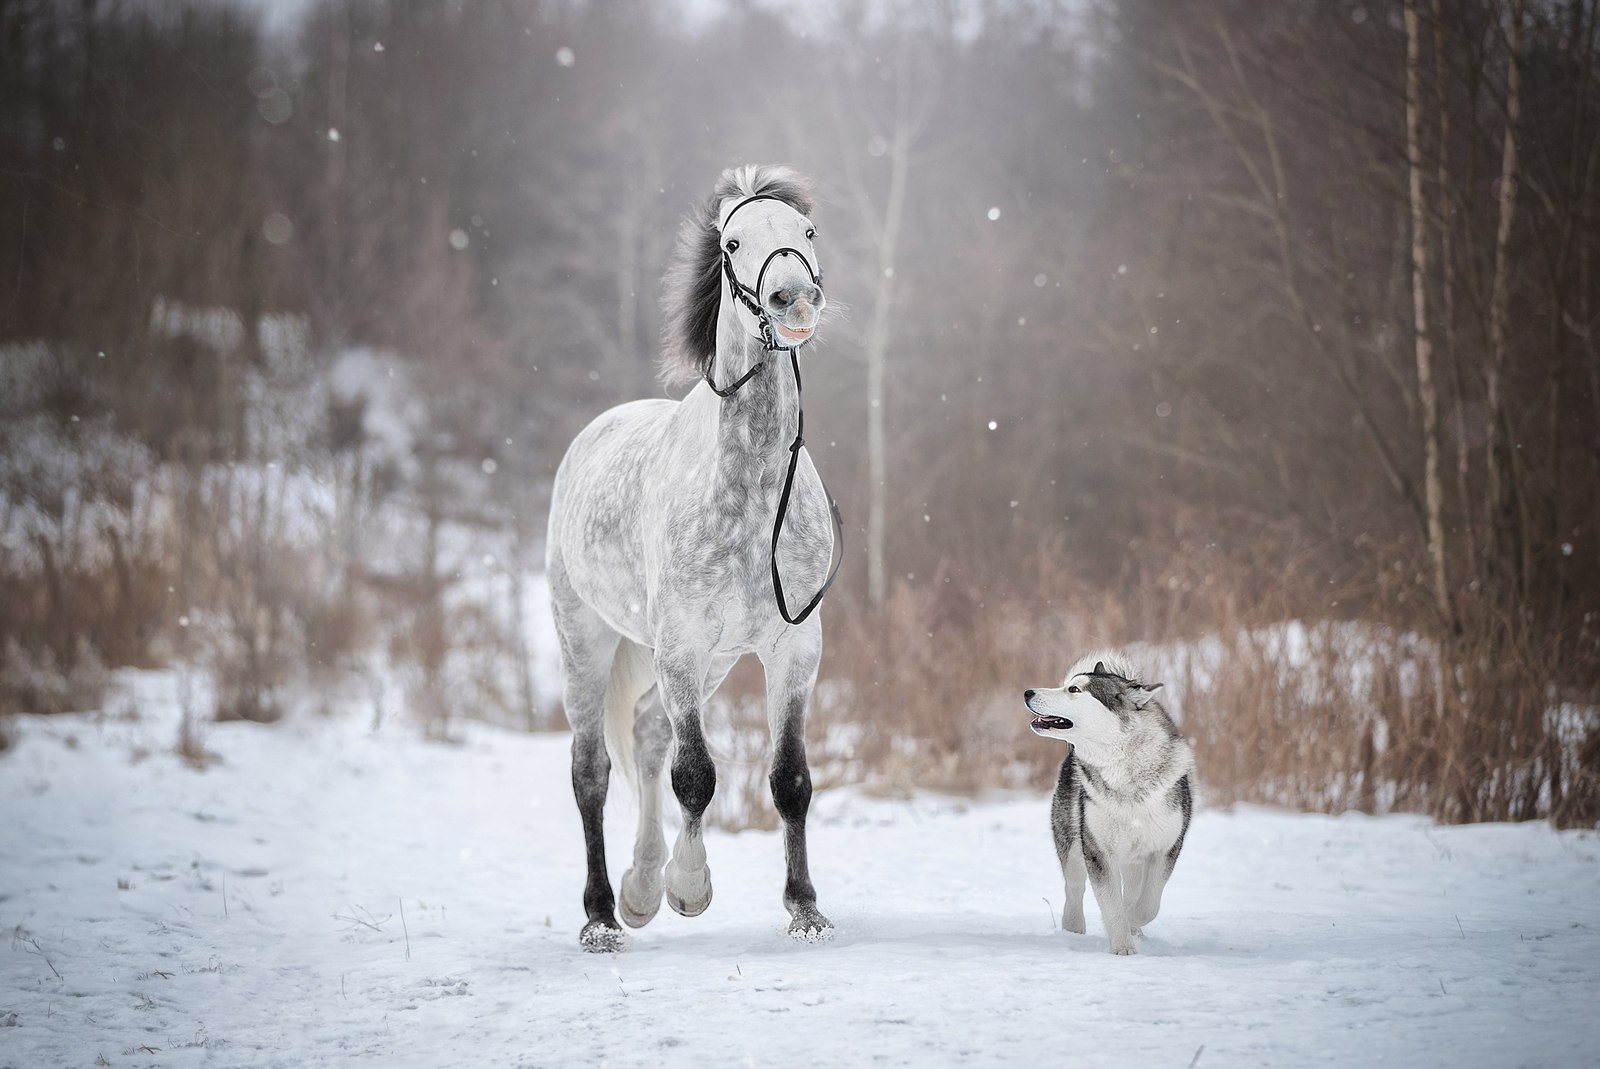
1076	876
1154	872
1107	884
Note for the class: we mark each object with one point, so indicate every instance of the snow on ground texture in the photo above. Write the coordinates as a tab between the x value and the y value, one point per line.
260	924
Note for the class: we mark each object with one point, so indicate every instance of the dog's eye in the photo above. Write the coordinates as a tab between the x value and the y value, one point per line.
732	245
1073	690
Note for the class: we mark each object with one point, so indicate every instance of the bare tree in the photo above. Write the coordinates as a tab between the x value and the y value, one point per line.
1502	532
1433	486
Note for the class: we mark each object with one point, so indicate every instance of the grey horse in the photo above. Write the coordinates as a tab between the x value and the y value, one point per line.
658	553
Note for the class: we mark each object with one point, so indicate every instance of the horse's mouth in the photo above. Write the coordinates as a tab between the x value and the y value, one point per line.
791	334
1050	723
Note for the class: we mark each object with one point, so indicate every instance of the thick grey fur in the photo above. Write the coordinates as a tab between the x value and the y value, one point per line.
1124	796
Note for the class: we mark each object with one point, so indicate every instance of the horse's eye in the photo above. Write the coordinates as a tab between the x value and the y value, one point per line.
811	232
733	245
1073	690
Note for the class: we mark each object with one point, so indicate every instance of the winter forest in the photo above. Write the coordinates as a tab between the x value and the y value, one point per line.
1259	339
1159	327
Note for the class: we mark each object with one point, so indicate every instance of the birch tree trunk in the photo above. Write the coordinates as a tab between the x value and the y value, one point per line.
877	353
1451	353
1433	488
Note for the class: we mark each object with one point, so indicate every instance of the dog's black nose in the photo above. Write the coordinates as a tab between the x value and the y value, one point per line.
1027	695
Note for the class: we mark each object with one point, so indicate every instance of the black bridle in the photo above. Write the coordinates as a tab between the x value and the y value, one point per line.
751	299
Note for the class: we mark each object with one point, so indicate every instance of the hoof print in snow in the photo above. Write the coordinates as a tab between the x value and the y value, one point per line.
600	937
445	987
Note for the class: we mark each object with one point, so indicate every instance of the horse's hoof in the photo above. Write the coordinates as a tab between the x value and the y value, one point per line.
631	916
602	936
688	895
809	926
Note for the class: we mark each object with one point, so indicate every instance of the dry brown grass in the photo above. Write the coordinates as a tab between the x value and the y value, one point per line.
1293	696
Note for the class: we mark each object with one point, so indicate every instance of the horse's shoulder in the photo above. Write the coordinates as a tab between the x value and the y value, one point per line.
630	419
644	410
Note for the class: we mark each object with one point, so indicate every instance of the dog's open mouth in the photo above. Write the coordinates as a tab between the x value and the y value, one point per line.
1050	723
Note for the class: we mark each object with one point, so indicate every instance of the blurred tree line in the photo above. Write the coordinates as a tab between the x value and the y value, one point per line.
1158	323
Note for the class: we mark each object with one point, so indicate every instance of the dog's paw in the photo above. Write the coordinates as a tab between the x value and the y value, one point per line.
1124	949
1073	924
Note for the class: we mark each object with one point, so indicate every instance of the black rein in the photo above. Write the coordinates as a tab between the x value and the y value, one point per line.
751	299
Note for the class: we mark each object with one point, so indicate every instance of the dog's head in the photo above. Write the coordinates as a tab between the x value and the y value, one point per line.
1094	707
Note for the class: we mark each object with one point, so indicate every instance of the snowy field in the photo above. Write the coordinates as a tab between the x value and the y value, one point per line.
251	914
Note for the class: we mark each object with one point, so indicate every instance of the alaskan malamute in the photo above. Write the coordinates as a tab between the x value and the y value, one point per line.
1123	799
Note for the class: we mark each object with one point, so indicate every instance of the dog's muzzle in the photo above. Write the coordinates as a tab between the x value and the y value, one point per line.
1040	721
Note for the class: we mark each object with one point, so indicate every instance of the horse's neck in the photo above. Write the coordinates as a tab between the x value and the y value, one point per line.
756	425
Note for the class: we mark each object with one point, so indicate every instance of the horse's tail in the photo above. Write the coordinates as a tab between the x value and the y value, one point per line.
633	673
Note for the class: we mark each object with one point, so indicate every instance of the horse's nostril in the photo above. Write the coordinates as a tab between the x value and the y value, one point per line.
781	299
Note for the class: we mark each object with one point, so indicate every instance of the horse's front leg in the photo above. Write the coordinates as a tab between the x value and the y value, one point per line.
687	878
791	672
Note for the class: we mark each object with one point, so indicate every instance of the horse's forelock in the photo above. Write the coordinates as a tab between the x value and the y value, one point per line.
692	289
753	180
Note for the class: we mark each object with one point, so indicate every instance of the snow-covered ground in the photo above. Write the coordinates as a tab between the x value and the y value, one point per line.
251	914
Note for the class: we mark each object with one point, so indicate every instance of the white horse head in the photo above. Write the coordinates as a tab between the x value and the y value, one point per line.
755	227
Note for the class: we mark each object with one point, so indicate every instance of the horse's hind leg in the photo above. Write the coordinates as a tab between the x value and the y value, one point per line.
588	646
640	895
791	674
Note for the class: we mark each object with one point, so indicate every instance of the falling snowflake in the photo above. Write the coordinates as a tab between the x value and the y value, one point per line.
277	228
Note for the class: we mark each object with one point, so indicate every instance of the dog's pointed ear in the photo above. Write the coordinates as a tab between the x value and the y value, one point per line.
1099	668
1144	694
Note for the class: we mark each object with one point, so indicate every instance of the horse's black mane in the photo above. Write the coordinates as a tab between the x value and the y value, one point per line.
692	289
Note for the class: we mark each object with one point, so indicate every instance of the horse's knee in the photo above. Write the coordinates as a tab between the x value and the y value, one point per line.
791	784
694	777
